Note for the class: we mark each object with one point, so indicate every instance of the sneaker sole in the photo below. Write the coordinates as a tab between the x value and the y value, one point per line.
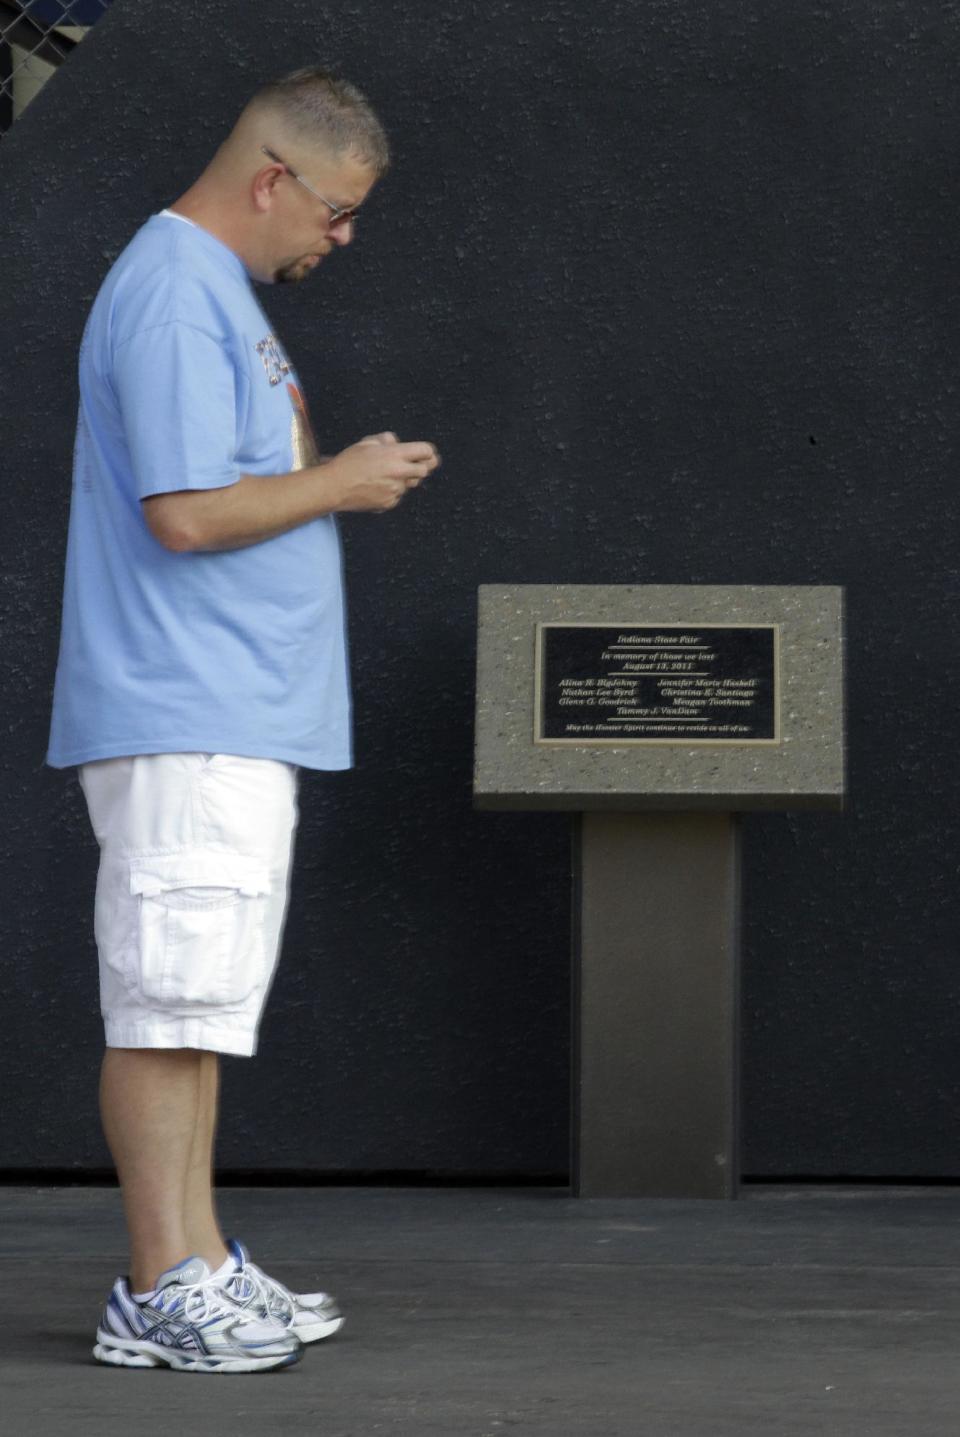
316	1331
116	1352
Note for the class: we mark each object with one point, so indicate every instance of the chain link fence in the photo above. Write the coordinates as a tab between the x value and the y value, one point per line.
36	37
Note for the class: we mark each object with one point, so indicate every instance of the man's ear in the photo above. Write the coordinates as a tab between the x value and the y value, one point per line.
263	184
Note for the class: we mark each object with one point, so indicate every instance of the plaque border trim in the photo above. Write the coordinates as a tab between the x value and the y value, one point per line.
722	743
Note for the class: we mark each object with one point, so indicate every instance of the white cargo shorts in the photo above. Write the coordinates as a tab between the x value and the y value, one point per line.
195	854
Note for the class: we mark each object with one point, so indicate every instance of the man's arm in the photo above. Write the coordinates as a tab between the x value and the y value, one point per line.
372	475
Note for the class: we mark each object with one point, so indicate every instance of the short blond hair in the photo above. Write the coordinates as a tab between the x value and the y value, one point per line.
321	109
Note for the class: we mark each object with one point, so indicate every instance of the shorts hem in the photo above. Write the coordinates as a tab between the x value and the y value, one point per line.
200	1033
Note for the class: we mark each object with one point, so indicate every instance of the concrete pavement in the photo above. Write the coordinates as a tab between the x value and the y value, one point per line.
491	1312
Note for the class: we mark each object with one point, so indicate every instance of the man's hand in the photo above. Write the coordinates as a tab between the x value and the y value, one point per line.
387	437
374	474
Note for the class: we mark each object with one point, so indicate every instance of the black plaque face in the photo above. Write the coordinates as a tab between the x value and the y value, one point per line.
657	683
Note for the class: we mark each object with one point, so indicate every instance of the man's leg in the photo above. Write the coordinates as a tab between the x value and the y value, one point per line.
161	928
199	1207
150	1100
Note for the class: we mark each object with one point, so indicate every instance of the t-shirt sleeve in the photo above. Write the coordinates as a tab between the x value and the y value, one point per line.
177	388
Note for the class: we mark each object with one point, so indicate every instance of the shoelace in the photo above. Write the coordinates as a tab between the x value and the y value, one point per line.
277	1299
204	1299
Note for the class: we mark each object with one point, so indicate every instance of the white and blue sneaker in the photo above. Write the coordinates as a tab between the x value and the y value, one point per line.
307	1315
189	1323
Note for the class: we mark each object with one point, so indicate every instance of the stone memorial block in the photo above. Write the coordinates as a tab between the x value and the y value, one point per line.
659	697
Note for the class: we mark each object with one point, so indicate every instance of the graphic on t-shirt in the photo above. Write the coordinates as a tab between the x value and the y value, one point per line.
275	362
305	451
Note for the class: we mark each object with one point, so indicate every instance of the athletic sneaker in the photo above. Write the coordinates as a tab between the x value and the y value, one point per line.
309	1315
189	1324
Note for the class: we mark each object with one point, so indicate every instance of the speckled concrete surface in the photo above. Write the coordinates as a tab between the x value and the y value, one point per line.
808	1313
805	769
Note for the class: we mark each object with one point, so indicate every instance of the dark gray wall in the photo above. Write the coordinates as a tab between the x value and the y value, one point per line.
673	287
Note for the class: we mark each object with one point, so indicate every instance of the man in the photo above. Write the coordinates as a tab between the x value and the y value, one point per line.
202	663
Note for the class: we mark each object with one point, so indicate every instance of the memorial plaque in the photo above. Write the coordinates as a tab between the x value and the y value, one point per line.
657	683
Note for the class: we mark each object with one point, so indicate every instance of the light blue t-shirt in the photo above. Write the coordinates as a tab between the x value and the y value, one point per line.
183	385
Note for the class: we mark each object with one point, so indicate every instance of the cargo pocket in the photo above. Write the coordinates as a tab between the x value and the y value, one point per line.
201	927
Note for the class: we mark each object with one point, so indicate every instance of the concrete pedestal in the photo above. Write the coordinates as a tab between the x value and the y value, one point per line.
655	1005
